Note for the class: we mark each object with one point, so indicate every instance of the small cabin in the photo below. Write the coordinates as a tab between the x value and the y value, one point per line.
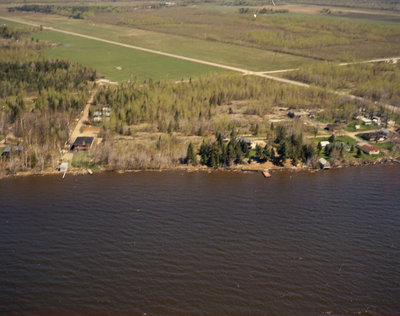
370	150
374	136
332	127
82	143
295	114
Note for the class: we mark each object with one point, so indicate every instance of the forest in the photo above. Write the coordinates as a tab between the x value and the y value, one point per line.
163	124
39	98
210	104
374	81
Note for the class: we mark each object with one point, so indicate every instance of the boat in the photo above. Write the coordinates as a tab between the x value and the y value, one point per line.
266	174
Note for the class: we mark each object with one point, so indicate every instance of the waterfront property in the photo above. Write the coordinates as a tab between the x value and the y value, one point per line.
370	150
82	143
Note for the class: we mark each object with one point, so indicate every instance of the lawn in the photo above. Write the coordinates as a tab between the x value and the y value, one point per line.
120	63
363	128
346	139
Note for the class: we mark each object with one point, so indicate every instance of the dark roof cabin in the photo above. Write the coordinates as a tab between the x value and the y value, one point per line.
376	136
82	143
5	152
332	127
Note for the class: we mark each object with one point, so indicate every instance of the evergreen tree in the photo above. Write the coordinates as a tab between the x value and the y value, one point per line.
190	155
282	152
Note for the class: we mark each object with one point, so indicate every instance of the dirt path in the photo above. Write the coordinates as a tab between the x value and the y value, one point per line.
76	132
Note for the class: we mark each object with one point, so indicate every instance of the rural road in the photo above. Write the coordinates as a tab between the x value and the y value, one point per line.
199	61
67	157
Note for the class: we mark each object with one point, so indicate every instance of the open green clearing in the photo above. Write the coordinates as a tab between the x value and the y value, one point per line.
120	63
224	53
105	58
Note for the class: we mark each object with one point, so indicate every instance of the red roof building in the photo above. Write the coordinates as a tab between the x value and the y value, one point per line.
370	150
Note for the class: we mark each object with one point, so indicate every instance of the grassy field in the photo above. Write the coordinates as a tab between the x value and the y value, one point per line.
120	63
224	53
214	33
313	35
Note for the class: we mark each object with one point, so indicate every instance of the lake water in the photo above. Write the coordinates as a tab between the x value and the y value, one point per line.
176	243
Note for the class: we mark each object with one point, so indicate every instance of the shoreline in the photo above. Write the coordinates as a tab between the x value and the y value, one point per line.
256	168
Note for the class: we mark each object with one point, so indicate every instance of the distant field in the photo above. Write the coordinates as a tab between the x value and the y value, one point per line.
214	33
301	33
120	63
223	53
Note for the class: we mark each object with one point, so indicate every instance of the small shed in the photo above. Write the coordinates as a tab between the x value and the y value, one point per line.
63	167
366	121
295	114
324	143
324	164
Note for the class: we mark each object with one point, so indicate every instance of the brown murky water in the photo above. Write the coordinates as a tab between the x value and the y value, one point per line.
174	243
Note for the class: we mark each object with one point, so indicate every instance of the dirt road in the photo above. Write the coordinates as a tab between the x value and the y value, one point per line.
76	132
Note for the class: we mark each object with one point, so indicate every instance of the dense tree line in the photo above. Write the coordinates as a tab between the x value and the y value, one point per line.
377	81
42	74
194	108
13	33
224	154
72	11
261	11
220	154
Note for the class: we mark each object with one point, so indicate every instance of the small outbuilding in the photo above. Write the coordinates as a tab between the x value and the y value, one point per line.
324	164
324	143
63	167
295	114
366	121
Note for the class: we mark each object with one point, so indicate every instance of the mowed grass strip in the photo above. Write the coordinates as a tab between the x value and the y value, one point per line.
223	53
121	63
